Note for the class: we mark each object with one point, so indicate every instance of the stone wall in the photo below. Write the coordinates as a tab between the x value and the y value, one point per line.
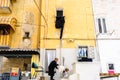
14	62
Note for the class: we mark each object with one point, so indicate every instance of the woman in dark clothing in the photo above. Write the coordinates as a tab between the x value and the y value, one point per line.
52	67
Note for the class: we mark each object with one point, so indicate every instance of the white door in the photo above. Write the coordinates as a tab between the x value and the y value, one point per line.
49	56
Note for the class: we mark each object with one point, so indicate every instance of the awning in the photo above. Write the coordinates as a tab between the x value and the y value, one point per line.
5	6
10	21
4	3
18	53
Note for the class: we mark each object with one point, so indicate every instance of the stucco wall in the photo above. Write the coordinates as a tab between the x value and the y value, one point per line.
78	28
79	25
28	17
108	43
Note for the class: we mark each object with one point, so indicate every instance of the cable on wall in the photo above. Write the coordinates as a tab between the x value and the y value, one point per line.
41	12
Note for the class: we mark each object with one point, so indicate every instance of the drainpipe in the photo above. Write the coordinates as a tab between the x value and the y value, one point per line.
60	51
45	34
39	28
61	33
39	31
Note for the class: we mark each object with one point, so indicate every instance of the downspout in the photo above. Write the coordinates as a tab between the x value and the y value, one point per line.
45	33
46	25
61	33
39	28
39	31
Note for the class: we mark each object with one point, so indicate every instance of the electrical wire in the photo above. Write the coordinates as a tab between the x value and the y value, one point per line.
21	23
41	13
83	38
46	28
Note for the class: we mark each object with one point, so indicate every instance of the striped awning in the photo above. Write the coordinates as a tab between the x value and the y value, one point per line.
4	3
11	21
5	6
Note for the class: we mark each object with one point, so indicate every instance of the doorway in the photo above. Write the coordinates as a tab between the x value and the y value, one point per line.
49	56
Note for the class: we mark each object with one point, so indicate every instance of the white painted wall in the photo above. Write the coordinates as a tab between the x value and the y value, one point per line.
69	55
87	70
108	44
109	53
110	10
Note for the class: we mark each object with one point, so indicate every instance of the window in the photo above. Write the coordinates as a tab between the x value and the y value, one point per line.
4	35
82	51
27	40
102	25
27	34
59	13
99	25
60	20
4	30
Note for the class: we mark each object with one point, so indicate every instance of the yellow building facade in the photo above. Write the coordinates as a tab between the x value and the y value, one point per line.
78	30
33	26
19	33
78	27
